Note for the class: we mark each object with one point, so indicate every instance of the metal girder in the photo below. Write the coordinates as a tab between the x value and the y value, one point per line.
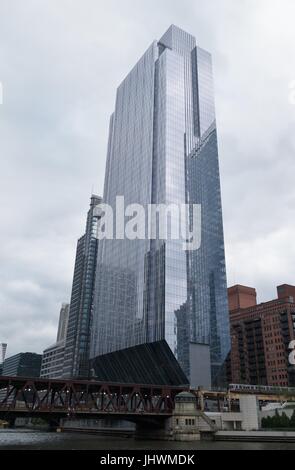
81	396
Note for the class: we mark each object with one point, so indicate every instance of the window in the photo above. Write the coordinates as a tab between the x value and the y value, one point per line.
189	422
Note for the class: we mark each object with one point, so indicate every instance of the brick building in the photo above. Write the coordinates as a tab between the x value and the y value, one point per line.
260	337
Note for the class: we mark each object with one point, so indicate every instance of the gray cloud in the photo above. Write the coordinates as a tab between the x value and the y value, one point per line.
60	63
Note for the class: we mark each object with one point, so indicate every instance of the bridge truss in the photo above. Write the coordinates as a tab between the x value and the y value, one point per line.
37	396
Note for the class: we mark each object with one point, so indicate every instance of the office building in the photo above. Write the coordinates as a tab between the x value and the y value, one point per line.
26	364
260	337
159	310
63	322
76	355
3	348
53	356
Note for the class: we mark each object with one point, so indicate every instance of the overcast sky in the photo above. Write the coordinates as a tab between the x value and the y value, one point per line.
60	64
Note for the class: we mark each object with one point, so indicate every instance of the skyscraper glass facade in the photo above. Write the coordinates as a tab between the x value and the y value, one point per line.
77	344
162	149
23	365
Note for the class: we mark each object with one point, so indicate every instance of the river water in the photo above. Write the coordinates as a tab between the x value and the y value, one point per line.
25	439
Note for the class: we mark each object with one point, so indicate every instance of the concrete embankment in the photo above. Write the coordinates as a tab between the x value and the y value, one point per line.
255	436
103	431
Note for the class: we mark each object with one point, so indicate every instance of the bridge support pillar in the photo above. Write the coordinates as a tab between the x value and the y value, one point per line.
11	421
154	431
188	422
53	424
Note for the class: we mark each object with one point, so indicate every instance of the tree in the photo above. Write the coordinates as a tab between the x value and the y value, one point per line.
292	420
276	420
284	421
267	422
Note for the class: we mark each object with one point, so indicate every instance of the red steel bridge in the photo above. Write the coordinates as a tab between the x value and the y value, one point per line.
53	399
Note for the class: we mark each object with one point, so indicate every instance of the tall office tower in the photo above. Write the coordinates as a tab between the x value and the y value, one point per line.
161	313
76	360
53	356
63	322
3	348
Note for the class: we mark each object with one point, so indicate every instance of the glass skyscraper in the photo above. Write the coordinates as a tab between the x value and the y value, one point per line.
77	332
157	307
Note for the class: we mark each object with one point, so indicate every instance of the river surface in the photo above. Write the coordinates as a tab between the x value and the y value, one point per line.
25	439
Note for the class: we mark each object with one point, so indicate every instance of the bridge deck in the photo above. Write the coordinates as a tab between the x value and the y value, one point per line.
34	396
